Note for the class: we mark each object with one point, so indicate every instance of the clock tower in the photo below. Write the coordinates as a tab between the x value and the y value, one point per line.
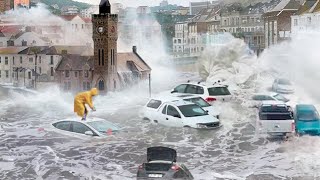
105	74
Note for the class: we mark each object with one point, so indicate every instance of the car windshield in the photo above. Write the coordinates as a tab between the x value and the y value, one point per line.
192	110
284	82
218	91
198	101
103	126
279	97
308	115
274	108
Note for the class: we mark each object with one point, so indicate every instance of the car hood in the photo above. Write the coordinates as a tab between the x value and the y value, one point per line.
211	110
161	153
285	87
200	119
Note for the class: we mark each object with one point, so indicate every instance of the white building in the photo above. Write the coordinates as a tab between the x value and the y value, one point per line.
69	10
164	3
143	10
180	40
86	13
307	18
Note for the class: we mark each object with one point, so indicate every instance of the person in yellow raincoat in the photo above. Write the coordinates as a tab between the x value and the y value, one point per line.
84	98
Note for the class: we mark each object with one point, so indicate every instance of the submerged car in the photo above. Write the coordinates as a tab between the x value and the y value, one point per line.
179	113
93	127
257	99
162	164
282	86
209	92
307	119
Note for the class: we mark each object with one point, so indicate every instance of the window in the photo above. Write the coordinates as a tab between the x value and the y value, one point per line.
82	26
171	111
12	74
20	59
101	85
67	73
181	88
218	91
6	61
51	71
7	74
51	60
13	60
154	104
63	125
30	60
78	127
75	74
0	73
192	110
84	87
86	74
39	59
88	86
164	110
39	70
192	89
309	20
295	22
69	85
0	59
29	75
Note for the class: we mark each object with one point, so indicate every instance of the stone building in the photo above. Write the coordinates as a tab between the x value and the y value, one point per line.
277	22
107	69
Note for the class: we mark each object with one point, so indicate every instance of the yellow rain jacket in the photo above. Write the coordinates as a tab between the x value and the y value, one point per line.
84	98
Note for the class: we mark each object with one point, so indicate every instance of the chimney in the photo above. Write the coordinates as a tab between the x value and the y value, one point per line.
134	49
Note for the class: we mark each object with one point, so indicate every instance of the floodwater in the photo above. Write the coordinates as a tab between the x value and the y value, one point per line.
234	151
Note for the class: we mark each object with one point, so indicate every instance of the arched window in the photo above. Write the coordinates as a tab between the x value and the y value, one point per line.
101	85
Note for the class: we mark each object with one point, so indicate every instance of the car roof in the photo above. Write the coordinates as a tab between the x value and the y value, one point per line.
93	119
272	103
180	103
265	94
173	97
305	107
206	84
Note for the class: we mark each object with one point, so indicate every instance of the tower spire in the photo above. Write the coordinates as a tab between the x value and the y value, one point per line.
104	7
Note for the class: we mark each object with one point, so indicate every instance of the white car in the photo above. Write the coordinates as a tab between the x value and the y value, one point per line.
94	127
276	119
282	86
209	92
257	99
180	114
158	100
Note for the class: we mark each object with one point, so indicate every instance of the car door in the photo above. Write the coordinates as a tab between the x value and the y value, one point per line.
173	117
80	128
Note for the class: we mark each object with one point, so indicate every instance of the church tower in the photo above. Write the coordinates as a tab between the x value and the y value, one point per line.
105	35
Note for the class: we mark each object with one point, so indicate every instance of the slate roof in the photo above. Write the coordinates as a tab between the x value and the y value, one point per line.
307	7
129	60
76	62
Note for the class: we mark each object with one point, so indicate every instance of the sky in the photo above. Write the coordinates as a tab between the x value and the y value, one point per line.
135	3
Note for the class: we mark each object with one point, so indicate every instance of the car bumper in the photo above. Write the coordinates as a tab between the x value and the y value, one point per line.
314	132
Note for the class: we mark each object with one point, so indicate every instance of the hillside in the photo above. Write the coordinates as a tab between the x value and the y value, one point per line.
62	3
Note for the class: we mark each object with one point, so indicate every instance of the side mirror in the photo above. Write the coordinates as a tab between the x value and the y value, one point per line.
173	91
88	133
177	116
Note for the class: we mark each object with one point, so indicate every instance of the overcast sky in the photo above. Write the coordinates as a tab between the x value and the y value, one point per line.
142	2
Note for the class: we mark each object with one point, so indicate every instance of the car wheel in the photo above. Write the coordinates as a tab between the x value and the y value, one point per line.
186	126
146	119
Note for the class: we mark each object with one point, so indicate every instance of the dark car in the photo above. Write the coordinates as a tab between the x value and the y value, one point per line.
161	164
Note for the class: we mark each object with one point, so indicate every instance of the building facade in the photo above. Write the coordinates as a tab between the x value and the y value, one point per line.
277	22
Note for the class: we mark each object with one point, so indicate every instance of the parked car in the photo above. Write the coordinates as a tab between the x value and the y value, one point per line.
257	99
282	86
179	113
276	119
175	97
307	119
93	127
209	92
162	164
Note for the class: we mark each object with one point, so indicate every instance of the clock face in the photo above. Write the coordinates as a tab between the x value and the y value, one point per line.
100	29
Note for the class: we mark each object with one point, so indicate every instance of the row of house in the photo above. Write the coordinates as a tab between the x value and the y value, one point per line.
261	25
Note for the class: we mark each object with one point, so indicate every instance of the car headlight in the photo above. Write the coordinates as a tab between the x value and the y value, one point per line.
201	126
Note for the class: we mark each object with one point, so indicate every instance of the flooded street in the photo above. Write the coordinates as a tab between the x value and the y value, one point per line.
30	148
